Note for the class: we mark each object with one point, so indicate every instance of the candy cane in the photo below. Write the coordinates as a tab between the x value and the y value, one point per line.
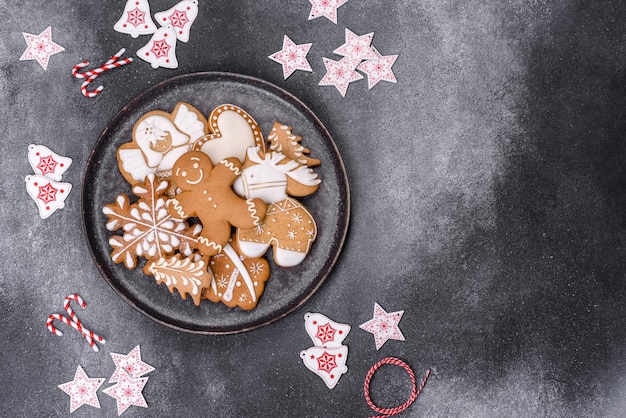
387	412
91	75
74	322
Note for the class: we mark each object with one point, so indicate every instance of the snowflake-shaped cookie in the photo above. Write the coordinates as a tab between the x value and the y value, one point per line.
148	228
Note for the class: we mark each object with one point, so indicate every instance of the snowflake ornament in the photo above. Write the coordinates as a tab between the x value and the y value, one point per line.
47	163
181	17
148	228
49	195
384	326
82	390
160	51
327	363
292	57
40	47
135	19
325	332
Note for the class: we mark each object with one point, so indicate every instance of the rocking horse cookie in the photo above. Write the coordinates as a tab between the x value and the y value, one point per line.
288	226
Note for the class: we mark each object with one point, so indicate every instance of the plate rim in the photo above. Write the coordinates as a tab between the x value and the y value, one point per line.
267	86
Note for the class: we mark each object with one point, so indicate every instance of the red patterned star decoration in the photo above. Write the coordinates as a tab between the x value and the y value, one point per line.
82	390
47	193
40	47
357	48
47	165
378	69
129	364
325	333
128	392
292	57
136	17
160	48
179	18
339	74
326	8
326	362
384	326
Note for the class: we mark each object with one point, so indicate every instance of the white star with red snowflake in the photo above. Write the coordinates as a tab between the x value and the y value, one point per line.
40	47
384	326
292	57
357	48
339	74
127	392
82	390
130	364
378	69
326	8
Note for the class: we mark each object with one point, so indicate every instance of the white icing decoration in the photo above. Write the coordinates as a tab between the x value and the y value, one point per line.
239	266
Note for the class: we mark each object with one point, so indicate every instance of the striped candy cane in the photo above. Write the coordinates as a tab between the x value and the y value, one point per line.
74	322
91	75
387	412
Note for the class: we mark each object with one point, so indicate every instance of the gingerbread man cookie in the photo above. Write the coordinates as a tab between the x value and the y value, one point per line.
207	194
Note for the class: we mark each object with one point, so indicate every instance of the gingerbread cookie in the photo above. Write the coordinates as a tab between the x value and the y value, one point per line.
238	280
288	225
283	140
148	229
231	132
182	274
207	194
158	140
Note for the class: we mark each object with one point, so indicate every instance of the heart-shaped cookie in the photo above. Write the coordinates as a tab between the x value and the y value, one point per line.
232	132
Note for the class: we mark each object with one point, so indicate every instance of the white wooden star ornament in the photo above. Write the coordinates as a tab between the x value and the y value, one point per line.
384	326
40	47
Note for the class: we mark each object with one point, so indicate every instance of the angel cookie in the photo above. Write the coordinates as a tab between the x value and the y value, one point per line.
158	140
288	226
207	194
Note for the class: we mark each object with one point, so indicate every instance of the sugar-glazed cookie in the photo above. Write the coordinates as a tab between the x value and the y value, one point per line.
207	194
158	139
281	139
231	132
288	225
238	280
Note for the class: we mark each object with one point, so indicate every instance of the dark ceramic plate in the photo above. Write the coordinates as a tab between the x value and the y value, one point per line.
287	288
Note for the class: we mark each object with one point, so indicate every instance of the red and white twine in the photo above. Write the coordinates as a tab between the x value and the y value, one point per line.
387	412
74	322
91	75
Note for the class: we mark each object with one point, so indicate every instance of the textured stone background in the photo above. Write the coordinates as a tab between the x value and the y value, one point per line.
487	189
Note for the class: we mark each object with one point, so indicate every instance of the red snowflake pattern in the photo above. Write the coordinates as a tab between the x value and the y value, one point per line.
160	48
326	362
179	18
136	17
325	333
47	193
47	165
